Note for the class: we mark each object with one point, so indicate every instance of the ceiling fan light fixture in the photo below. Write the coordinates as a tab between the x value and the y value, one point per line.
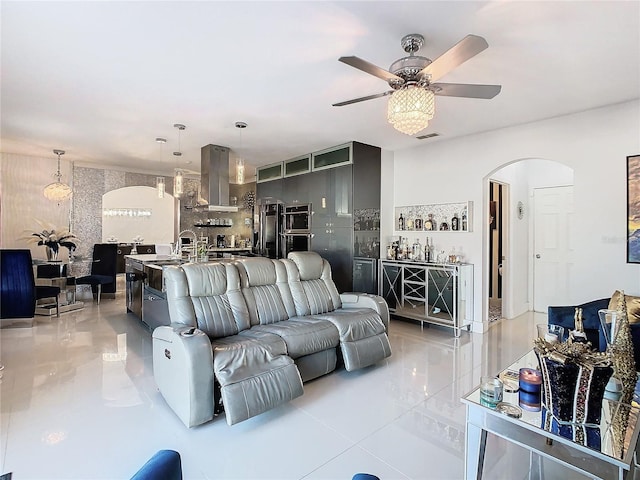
410	109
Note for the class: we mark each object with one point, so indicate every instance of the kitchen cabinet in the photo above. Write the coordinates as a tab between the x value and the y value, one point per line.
438	293
269	172
342	178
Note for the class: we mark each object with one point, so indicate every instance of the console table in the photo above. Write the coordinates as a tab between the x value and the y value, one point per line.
613	458
438	293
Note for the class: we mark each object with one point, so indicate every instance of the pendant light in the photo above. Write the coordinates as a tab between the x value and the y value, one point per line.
178	177
58	191
160	185
239	160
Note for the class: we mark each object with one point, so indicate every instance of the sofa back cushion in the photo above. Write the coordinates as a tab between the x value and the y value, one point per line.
311	284
266	290
207	296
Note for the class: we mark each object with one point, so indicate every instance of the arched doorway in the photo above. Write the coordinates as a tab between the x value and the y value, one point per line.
521	178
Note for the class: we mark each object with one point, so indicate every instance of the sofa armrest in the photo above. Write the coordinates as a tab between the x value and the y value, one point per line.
366	300
183	370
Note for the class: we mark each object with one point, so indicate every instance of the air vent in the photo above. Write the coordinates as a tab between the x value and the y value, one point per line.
428	135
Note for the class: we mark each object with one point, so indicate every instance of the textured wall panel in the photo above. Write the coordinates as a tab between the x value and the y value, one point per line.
22	180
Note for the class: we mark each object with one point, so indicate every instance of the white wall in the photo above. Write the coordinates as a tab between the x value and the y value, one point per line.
154	229
594	144
22	180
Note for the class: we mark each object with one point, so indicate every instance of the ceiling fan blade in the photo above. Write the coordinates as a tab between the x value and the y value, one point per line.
466	90
362	99
370	68
468	47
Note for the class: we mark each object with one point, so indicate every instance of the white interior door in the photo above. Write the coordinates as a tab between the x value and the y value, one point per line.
553	246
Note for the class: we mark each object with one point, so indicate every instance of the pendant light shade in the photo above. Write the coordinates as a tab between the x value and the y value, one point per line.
239	160
178	177
239	171
160	186
58	191
178	183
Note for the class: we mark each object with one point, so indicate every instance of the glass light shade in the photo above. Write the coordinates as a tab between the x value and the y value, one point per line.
160	186
178	187
410	109
57	191
239	171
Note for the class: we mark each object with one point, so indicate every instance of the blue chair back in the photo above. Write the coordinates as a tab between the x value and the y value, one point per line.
17	286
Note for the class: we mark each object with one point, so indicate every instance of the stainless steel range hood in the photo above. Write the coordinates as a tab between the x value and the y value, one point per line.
214	175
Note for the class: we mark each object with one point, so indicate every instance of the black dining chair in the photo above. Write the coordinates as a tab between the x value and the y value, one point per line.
18	291
103	269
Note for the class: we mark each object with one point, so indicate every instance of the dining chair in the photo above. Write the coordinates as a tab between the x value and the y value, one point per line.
18	291
103	269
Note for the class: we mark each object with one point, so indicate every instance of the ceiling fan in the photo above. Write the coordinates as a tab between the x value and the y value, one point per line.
412	79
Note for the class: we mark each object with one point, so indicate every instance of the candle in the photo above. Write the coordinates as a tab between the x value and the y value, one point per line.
529	401
530	380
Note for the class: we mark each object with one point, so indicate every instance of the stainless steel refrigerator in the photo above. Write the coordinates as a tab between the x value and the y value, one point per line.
269	232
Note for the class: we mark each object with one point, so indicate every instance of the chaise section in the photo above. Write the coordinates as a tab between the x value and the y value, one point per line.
311	342
363	338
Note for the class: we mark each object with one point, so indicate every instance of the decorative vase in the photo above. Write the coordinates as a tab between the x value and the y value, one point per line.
574	390
52	253
573	380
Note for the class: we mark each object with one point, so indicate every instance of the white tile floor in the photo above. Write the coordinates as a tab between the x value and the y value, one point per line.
78	401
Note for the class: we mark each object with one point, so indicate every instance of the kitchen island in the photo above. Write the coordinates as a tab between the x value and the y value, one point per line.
145	292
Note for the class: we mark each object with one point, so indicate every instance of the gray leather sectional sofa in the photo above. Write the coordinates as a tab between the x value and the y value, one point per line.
256	329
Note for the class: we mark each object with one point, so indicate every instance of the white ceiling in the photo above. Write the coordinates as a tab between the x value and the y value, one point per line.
102	80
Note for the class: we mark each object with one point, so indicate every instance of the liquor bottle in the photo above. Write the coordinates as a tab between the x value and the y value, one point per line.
427	251
401	222
429	223
464	220
417	223
455	222
417	251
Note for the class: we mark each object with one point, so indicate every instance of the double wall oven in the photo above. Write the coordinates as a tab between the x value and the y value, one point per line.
283	229
296	221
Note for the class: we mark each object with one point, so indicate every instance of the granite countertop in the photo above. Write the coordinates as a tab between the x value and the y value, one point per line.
162	260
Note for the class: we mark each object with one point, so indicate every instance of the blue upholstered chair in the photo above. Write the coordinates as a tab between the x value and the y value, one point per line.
164	465
18	292
564	316
103	269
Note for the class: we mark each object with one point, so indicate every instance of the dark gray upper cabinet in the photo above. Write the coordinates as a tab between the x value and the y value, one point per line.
268	173
343	181
332	157
297	166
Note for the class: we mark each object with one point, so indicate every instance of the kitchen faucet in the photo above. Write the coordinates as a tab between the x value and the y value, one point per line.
178	247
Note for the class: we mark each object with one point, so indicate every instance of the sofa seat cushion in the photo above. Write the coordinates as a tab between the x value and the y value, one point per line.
303	335
255	374
354	324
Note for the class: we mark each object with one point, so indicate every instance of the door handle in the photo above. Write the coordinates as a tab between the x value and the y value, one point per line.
537	255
